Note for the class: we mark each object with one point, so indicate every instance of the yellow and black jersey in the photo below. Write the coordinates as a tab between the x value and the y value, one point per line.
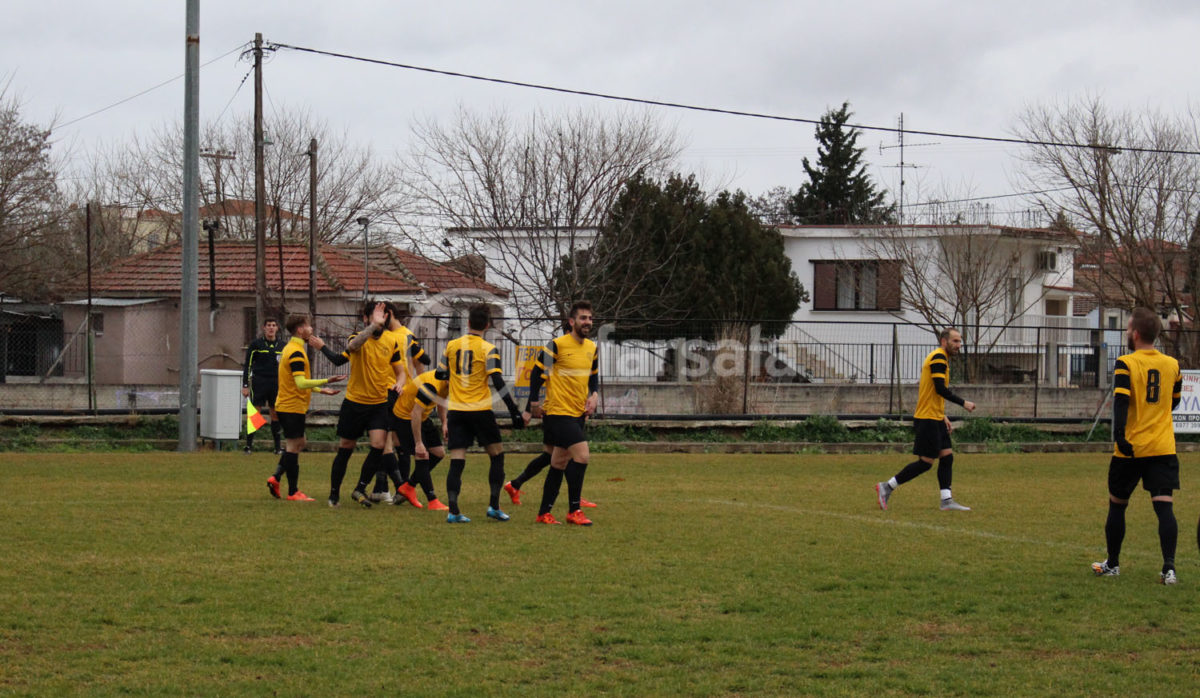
410	349
568	365
293	363
1152	382
470	361
371	368
930	405
426	389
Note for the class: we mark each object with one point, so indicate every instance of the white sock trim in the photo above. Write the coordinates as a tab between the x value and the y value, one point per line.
946	494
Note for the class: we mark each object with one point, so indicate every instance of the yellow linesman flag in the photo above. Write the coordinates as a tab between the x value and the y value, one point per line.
254	420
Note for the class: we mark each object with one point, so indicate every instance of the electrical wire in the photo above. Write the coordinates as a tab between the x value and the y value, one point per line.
143	92
718	110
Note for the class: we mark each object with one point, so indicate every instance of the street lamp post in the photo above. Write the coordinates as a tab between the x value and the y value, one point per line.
365	223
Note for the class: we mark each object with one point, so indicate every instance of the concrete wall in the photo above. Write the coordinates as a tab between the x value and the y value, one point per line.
651	398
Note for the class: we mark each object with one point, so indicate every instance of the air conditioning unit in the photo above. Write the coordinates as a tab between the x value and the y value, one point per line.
1047	260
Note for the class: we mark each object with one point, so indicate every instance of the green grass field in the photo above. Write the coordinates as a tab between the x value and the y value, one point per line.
168	574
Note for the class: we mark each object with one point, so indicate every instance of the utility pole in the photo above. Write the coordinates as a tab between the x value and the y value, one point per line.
260	191
189	315
217	156
312	230
92	214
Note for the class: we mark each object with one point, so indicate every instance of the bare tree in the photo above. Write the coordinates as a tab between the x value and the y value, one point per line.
525	196
28	202
970	276
144	177
1135	202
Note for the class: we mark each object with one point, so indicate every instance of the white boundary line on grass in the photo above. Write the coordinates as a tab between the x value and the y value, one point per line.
936	528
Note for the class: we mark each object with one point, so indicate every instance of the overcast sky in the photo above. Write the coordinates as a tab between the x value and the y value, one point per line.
947	66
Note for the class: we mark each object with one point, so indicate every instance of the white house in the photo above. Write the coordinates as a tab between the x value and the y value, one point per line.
862	278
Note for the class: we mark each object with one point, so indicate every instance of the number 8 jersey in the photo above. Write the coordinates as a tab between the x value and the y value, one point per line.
1152	382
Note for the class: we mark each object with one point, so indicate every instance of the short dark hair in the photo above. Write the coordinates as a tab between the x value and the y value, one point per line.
945	334
395	309
295	321
270	319
479	316
369	307
579	305
1146	323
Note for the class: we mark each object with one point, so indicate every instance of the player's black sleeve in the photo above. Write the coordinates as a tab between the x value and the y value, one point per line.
334	358
536	378
1120	415
246	365
1176	393
939	385
594	379
513	410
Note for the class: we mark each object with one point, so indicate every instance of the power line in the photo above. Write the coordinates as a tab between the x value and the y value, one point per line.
718	110
143	92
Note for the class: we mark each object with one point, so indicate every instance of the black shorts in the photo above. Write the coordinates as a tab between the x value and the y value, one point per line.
292	424
356	418
1158	474
931	437
392	397
263	393
468	427
563	431
431	435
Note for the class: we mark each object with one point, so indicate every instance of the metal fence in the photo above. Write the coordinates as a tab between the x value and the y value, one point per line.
737	369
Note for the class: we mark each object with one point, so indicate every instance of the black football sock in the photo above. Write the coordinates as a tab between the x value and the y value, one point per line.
276	430
281	467
370	466
381	479
495	480
291	463
550	490
574	475
427	483
454	482
420	475
1168	532
391	466
337	472
402	465
1114	531
945	471
912	470
535	466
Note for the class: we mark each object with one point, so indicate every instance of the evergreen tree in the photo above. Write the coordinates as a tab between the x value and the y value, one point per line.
726	266
838	190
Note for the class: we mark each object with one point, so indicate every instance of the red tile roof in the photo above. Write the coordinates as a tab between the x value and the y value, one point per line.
158	271
435	277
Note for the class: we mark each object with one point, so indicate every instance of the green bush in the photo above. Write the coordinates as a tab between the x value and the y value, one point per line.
823	428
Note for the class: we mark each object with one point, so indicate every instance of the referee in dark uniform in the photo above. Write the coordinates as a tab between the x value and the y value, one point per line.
260	377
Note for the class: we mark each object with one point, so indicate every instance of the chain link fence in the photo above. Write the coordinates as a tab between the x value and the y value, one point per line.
126	359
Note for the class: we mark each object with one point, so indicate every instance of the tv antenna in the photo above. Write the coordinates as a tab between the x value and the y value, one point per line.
900	144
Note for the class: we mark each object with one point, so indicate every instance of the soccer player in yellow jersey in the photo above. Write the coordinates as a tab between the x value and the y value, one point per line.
375	364
396	459
1144	436
571	364
931	426
469	364
417	434
291	404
